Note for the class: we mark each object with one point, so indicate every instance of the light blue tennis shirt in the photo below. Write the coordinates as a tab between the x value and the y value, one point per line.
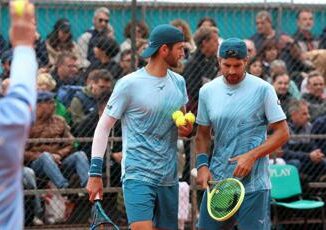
239	116
15	119
145	104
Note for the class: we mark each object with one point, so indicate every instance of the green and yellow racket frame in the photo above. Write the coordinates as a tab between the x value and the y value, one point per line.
228	194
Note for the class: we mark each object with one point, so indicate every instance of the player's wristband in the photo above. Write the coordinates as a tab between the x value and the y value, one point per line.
95	170
201	160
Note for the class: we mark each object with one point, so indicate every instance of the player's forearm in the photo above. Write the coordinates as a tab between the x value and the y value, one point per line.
100	141
99	146
203	143
279	137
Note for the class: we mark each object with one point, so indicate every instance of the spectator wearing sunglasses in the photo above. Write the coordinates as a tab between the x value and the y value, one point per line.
100	27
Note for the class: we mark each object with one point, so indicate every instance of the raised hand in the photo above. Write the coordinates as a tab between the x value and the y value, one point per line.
22	30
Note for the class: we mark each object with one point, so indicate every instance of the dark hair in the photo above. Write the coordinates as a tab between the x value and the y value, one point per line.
275	76
268	45
202	20
185	28
62	24
100	74
204	33
301	11
7	56
141	24
125	53
110	47
62	56
251	61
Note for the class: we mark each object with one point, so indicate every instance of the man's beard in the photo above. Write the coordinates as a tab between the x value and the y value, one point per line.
172	62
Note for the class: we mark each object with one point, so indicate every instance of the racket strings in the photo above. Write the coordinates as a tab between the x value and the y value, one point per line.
100	220
104	226
224	198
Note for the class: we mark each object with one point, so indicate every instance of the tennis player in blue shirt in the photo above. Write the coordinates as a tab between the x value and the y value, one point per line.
144	101
238	108
16	113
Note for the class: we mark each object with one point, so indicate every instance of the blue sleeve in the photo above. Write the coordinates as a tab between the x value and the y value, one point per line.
273	109
119	100
202	112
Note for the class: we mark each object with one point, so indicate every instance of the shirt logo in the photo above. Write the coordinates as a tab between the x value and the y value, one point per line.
109	107
229	94
161	87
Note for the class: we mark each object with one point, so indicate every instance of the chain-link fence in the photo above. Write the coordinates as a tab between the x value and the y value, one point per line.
84	47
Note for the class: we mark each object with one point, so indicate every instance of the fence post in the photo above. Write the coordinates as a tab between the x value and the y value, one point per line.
133	34
279	18
193	185
108	166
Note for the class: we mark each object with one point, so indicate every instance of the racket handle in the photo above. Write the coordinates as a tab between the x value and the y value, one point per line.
194	172
212	182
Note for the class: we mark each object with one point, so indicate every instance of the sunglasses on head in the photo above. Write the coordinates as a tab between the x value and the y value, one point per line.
231	53
100	20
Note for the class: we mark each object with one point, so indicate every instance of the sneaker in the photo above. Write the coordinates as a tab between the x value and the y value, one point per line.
50	220
37	221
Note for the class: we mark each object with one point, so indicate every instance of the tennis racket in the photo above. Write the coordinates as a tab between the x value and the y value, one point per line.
225	198
101	221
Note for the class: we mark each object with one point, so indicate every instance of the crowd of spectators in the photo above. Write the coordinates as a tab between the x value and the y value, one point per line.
76	79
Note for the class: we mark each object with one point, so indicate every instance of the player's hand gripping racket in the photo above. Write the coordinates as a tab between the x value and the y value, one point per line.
224	198
101	221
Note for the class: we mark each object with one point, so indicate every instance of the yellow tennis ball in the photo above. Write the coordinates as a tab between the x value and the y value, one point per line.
181	120
190	117
176	114
19	7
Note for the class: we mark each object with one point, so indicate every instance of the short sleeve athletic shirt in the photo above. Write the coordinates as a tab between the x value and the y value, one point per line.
239	116
145	104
